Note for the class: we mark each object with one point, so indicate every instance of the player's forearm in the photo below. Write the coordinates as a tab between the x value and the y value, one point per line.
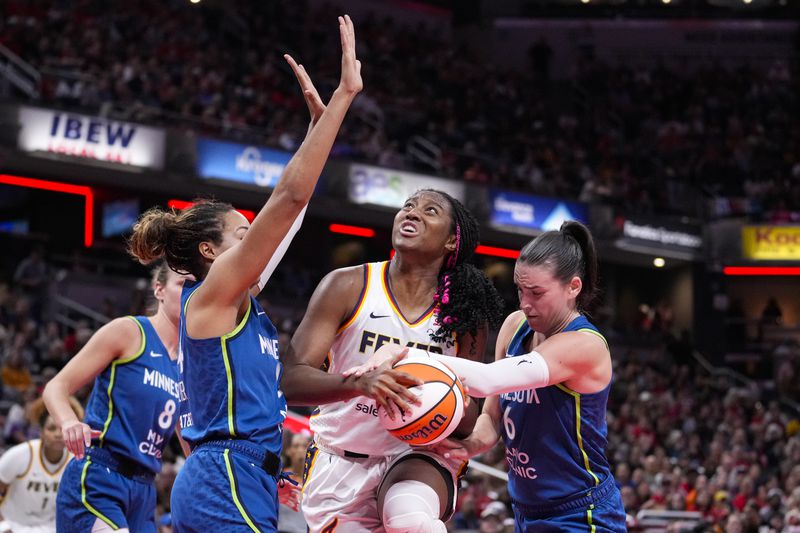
306	385
527	371
56	399
484	436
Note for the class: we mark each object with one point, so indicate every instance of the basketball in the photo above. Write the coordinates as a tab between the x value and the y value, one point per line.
442	406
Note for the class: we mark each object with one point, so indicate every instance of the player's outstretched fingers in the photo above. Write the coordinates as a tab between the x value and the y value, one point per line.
87	436
404	382
76	441
385	404
398	395
451	449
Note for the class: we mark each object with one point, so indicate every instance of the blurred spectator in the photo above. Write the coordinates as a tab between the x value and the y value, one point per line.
294	455
492	518
772	314
15	372
643	138
31	274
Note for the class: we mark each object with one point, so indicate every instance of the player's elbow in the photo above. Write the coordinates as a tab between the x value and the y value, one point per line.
294	197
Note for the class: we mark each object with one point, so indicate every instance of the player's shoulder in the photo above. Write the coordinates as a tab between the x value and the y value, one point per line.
344	280
23	448
590	332
124	335
511	324
16	461
124	325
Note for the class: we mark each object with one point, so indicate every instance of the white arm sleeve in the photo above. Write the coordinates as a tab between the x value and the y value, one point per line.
511	374
280	251
15	462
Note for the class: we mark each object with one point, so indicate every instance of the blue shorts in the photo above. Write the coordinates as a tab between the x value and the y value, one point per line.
224	487
599	512
92	488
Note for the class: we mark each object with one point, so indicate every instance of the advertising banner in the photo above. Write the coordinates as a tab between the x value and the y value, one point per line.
46	130
390	188
771	243
241	163
662	234
510	209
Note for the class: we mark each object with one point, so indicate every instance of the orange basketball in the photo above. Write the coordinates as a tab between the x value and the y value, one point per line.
442	404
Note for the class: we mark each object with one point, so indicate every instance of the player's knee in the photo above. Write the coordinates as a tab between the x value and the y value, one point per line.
412	507
414	522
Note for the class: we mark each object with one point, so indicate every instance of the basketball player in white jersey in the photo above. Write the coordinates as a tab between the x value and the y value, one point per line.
29	476
359	478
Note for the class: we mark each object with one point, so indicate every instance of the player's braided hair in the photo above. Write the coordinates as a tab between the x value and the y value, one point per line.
467	299
176	236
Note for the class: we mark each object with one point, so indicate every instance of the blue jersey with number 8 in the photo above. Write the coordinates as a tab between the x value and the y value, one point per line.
135	401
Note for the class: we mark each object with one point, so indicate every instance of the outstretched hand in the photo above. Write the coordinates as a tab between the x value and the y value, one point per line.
350	81
313	101
387	352
289	493
387	386
458	450
78	436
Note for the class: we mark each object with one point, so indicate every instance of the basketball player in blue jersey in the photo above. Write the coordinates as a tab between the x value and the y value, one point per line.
228	347
552	374
130	417
359	478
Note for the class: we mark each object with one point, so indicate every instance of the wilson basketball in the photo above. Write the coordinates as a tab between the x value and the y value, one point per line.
442	406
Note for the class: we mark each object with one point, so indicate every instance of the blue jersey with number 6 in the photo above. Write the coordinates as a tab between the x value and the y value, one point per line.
555	437
135	400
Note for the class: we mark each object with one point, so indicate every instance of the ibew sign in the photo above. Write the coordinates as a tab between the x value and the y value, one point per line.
97	138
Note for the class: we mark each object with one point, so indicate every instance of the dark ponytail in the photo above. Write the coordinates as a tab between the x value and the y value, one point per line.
176	237
467	300
569	252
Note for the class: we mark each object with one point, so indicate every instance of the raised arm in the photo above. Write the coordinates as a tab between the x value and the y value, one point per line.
303	381
119	338
237	269
580	359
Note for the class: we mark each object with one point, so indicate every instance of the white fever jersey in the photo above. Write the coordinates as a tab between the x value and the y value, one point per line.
376	319
30	500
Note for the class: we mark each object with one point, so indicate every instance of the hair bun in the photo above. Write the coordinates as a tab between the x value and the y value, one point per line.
150	235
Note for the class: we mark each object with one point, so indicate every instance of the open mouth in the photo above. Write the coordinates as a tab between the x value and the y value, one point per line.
408	229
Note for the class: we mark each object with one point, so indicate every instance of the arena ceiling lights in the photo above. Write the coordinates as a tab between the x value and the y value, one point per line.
66	188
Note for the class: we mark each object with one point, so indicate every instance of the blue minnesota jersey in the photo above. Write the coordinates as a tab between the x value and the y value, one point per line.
555	438
135	401
232	381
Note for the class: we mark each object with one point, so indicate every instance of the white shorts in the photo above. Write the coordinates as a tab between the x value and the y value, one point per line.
20	528
341	493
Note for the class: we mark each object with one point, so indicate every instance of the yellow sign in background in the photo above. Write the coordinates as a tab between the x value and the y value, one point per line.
771	242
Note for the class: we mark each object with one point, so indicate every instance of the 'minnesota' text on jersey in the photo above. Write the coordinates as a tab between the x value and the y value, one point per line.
232	382
555	437
135	401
